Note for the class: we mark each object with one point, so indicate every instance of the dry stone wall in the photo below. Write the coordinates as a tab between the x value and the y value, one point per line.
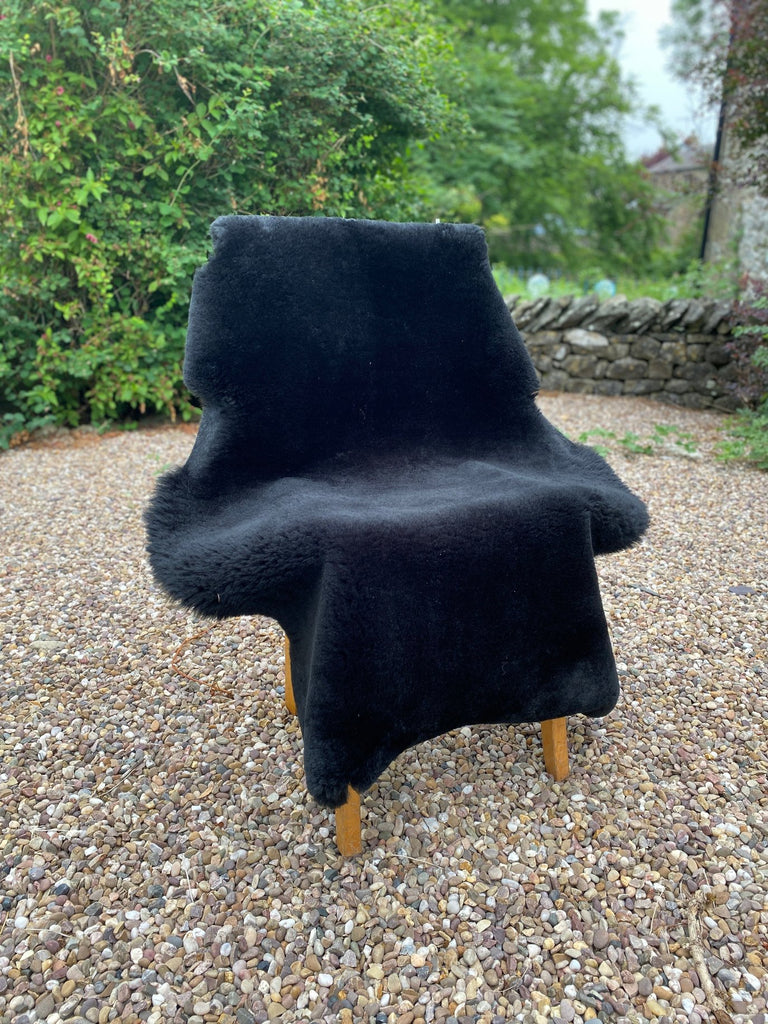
672	351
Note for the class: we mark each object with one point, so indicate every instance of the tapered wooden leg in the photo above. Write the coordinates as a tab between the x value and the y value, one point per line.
290	700
555	740
348	837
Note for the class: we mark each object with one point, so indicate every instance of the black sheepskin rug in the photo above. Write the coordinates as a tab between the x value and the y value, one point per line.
372	471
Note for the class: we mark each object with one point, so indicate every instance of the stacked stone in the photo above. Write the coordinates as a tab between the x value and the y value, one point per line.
674	351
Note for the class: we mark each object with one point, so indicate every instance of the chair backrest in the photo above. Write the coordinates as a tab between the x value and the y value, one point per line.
311	338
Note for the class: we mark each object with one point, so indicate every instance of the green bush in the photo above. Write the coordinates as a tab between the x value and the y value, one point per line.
125	128
747	432
749	345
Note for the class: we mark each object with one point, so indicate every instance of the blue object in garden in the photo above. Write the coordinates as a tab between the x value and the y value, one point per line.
605	288
538	284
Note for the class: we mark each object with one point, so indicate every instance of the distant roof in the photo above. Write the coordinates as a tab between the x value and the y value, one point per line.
690	155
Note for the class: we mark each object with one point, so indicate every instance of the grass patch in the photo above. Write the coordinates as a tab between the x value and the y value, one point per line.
665	439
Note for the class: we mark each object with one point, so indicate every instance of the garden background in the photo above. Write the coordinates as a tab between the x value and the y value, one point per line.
127	127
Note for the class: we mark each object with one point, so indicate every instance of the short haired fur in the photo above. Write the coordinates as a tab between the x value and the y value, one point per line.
372	471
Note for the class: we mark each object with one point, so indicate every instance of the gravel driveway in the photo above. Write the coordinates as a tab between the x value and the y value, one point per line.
160	859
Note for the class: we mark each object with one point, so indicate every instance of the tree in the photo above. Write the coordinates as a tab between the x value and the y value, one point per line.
126	126
721	46
545	169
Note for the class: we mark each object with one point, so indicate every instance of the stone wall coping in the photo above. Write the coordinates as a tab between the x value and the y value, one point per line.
620	315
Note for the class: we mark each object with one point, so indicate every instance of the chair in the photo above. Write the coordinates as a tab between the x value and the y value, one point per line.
372	471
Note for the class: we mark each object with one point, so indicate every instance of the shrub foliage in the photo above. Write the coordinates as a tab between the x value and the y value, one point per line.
749	346
125	127
747	432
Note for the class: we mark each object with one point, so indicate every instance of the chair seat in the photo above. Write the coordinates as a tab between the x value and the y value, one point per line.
402	497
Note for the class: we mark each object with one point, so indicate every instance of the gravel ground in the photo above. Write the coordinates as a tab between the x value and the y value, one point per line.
161	860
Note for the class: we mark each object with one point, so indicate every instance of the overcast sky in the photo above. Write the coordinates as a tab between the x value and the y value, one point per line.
643	59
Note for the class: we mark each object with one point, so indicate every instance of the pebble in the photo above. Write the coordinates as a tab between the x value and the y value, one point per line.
162	859
645	986
654	1007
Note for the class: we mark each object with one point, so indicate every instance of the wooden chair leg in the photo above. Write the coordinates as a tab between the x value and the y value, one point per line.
555	740
290	700
348	837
